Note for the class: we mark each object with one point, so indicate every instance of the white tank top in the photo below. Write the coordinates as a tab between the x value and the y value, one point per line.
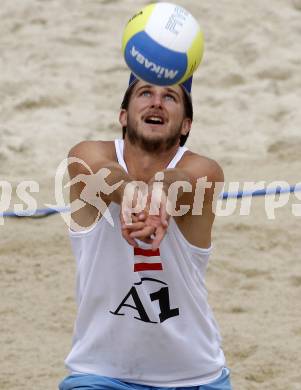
143	316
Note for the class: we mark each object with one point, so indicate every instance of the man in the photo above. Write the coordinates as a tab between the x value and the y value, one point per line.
143	317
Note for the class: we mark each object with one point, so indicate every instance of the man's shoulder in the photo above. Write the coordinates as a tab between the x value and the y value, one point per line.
93	151
92	148
92	154
202	166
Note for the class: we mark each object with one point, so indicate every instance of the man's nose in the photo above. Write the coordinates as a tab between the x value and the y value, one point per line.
156	100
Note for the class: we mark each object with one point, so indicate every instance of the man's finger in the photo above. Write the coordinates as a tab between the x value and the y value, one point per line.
142	216
146	232
132	218
164	217
129	239
156	241
133	226
159	235
147	240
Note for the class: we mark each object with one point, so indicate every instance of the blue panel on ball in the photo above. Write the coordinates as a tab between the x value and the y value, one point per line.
153	62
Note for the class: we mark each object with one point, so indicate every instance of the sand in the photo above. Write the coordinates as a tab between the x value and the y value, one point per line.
61	81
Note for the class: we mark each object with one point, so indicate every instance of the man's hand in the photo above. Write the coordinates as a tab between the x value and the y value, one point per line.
137	225
149	225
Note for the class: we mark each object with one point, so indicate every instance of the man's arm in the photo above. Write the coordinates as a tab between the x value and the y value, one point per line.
198	176
97	174
206	179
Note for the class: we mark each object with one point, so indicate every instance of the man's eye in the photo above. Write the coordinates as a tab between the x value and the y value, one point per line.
170	97
145	93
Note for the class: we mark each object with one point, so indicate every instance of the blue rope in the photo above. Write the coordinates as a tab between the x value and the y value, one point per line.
35	213
264	191
44	212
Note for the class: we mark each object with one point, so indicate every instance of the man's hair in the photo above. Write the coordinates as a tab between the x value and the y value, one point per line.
188	109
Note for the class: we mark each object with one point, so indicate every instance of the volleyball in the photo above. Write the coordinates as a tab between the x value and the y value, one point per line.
163	44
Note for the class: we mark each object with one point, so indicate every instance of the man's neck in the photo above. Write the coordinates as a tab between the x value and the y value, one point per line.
143	165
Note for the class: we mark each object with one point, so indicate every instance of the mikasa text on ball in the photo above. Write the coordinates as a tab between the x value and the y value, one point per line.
163	44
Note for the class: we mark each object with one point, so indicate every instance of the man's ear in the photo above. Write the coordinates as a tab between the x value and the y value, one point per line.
123	118
186	126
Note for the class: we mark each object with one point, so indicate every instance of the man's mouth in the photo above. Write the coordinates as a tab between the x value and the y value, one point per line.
154	120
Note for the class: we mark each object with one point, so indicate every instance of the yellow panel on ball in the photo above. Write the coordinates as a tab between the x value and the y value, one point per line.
194	55
163	44
136	24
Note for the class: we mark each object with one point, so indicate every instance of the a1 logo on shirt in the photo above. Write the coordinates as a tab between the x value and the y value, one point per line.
133	302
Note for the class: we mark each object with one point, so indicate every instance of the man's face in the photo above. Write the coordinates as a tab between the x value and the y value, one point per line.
155	117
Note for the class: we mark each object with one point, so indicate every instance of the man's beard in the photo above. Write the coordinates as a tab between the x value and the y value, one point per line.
155	144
